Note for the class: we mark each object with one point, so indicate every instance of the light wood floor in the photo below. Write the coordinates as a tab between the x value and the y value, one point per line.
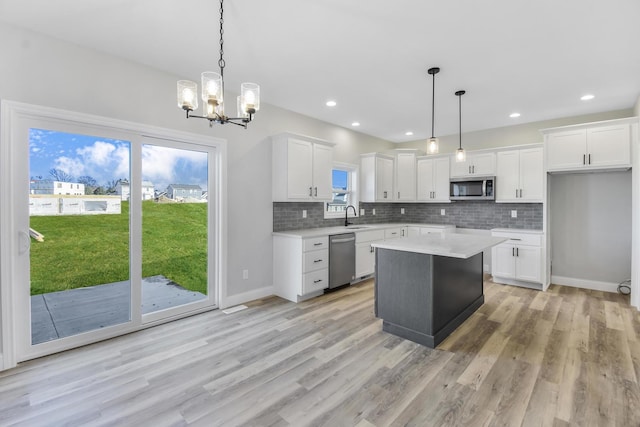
564	357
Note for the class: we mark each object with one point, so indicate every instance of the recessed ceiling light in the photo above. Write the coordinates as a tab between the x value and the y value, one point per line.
355	124
408	133
331	103
587	97
514	115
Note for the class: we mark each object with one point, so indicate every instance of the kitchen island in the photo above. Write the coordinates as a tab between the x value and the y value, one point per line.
426	286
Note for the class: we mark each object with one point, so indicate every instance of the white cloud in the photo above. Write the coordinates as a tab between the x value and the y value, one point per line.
99	153
73	167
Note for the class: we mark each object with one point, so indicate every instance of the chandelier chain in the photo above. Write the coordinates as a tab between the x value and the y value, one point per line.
221	62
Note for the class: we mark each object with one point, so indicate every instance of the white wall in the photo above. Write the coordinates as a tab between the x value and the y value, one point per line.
528	133
43	71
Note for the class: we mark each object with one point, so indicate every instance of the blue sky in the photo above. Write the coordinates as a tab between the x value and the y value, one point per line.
107	159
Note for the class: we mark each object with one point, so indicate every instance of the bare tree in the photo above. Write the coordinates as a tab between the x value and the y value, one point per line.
87	180
60	175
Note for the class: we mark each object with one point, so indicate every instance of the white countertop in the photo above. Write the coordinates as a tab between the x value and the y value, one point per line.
327	231
450	245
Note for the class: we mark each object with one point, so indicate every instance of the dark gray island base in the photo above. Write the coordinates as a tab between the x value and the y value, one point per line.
424	297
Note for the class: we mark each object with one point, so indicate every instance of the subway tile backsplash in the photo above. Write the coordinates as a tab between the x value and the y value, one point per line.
463	214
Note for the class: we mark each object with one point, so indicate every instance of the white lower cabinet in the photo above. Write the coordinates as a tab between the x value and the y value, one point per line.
300	266
518	261
365	254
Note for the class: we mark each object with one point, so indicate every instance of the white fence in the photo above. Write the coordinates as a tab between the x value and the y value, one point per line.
47	205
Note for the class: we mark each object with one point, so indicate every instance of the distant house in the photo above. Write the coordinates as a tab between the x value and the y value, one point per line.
123	188
47	186
184	191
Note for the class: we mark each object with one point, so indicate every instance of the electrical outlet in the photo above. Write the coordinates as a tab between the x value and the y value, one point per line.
373	211
514	214
442	212
361	212
401	211
245	274
304	213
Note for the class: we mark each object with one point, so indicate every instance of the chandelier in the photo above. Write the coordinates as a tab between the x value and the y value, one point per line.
213	93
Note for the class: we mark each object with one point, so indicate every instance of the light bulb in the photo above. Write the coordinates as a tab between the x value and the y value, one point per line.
432	147
188	95
249	97
460	155
212	88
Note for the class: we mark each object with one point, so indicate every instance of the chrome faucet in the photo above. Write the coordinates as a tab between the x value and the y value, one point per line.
346	213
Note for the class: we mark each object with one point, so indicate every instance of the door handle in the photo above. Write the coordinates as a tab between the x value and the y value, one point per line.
24	243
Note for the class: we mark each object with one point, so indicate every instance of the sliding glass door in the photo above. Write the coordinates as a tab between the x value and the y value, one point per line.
114	231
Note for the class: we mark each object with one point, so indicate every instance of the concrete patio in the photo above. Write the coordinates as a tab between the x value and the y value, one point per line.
65	313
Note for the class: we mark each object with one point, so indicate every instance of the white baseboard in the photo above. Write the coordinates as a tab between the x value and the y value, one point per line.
594	285
232	300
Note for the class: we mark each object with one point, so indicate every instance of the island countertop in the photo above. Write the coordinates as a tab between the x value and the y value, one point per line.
449	245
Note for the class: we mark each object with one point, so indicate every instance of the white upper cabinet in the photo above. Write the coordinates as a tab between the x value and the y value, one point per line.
301	168
477	164
376	177
406	177
603	145
433	179
520	175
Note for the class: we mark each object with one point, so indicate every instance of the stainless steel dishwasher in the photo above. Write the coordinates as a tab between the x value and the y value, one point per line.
342	259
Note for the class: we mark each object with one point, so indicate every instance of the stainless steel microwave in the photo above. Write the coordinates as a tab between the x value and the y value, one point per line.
473	188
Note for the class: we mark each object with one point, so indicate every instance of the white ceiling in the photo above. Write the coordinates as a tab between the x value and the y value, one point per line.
371	56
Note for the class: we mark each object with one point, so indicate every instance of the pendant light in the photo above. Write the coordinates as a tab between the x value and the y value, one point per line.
461	155
248	103
433	143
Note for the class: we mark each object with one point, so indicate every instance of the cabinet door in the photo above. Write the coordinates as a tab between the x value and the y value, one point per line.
460	169
413	231
441	179
502	261
365	259
483	164
566	150
384	179
609	146
322	167
508	176
531	175
406	177
425	168
528	263
299	166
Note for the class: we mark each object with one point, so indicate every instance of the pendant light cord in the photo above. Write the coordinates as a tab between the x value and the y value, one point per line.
460	121
433	103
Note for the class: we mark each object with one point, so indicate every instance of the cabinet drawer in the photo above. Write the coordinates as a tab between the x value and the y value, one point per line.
315	243
369	236
520	239
315	281
394	233
315	260
431	230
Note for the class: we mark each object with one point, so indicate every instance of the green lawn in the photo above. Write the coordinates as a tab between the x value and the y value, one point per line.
87	250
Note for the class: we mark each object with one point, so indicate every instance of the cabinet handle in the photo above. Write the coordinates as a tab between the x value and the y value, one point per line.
513	251
402	232
584	159
398	194
317	260
316	192
473	168
513	238
385	194
317	244
310	191
469	169
371	249
516	193
517	251
317	281
521	193
589	158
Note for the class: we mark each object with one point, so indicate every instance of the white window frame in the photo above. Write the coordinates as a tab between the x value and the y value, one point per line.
352	189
